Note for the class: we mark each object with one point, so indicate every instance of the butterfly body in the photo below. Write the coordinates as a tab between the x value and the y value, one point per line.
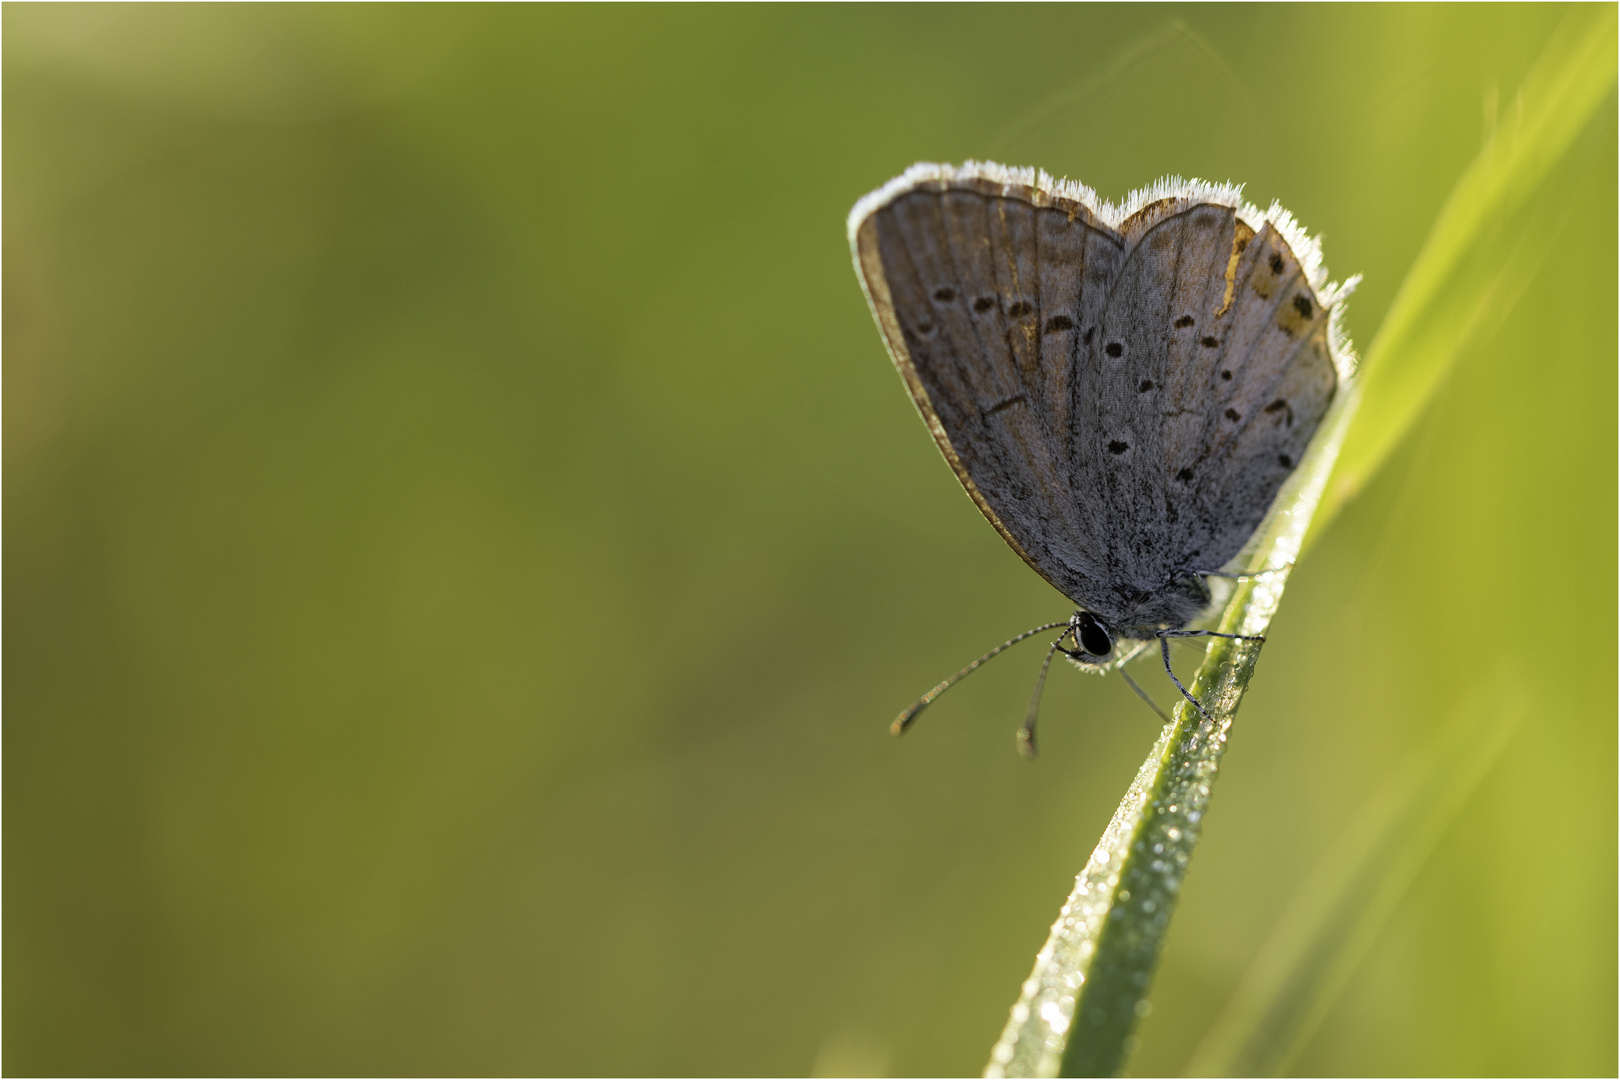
1122	392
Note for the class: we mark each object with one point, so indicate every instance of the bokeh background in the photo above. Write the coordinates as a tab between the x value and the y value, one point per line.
465	543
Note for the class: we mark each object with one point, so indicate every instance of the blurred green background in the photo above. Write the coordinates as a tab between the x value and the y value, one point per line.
465	543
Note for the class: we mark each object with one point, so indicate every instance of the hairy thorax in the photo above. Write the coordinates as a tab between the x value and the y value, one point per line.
1140	613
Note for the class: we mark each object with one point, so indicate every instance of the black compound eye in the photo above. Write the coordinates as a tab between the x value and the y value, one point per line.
1094	636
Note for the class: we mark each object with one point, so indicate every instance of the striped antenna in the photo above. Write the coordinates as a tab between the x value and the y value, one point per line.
1026	734
903	721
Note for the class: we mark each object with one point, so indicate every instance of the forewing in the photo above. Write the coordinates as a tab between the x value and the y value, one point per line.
988	302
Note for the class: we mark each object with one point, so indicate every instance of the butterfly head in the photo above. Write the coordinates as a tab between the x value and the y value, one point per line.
1094	641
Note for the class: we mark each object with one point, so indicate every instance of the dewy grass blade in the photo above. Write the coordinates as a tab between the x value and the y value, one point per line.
1079	1006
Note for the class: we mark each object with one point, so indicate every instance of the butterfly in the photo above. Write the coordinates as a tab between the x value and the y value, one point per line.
1122	391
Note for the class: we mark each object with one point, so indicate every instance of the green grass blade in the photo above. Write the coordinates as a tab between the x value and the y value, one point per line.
1335	918
1078	1008
1483	249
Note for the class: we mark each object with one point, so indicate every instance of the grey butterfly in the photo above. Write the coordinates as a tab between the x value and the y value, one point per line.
1122	390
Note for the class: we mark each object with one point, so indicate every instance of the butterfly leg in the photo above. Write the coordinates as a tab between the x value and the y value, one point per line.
1163	634
1141	693
1164	646
1079	653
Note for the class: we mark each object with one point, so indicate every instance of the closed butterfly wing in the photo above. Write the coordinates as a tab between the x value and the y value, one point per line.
988	295
1122	403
